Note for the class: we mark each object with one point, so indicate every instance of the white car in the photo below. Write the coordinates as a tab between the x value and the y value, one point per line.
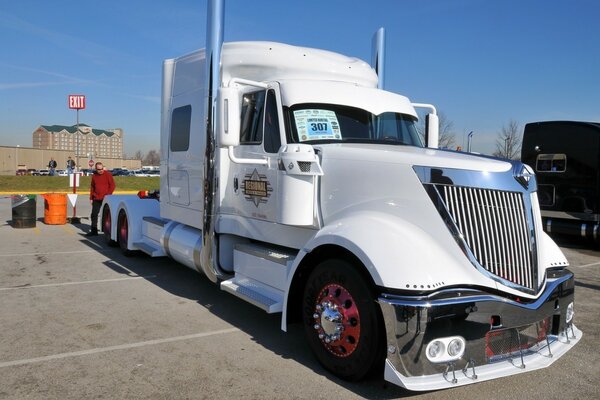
62	172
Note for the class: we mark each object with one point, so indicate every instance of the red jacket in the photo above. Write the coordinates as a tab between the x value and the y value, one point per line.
102	184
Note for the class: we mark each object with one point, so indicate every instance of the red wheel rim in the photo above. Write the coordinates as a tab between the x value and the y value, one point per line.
337	320
123	229
106	224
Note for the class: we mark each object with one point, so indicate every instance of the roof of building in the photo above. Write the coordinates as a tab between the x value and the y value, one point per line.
73	129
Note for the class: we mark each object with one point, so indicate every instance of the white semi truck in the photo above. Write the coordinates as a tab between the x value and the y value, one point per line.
292	180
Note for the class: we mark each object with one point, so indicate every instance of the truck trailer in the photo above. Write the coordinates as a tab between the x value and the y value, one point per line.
290	178
566	159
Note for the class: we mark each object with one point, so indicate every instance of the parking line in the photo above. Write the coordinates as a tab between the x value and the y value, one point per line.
587	265
48	253
76	283
113	348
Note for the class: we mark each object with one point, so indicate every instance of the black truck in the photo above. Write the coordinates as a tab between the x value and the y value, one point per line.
566	158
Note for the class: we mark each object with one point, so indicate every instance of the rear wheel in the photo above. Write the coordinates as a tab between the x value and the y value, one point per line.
342	323
123	233
107	226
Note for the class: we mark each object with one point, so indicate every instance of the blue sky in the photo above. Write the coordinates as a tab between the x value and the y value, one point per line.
481	62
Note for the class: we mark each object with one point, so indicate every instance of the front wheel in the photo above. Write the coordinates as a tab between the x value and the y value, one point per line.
342	322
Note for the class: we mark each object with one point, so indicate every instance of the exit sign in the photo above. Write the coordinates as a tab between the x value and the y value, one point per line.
76	101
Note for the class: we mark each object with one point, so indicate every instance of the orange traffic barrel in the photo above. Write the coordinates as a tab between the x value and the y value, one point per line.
55	208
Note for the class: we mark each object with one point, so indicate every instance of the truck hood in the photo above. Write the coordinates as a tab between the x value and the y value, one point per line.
409	155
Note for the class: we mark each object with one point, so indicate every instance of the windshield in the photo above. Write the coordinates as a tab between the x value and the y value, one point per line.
335	123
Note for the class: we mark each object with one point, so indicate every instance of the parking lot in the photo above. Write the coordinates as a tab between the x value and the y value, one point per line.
79	320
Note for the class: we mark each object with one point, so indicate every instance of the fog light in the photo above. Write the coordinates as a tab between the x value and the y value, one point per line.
456	348
570	312
435	349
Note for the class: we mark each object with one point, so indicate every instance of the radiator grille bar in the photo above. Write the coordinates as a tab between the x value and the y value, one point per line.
494	226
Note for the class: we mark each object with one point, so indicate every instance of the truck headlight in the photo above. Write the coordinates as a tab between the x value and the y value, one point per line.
435	349
446	349
456	348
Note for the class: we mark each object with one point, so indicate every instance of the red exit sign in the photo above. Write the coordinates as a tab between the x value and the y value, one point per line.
76	101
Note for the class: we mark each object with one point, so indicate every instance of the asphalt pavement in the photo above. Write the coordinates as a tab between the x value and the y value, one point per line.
78	320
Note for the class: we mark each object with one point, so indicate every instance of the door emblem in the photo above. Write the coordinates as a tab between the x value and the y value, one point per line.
256	188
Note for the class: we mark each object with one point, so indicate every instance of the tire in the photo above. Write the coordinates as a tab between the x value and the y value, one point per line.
107	226
123	233
336	296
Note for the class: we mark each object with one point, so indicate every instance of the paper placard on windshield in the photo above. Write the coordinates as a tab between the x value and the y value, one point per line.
317	125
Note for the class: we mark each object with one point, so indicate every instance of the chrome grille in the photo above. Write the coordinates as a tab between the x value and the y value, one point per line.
494	226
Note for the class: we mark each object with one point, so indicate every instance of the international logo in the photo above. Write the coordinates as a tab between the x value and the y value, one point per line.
524	175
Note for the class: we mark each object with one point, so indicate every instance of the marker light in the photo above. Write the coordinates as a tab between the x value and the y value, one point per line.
570	312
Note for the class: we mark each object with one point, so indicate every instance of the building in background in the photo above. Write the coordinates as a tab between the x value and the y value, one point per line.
83	142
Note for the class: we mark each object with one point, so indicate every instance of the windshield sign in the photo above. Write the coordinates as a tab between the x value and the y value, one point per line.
315	124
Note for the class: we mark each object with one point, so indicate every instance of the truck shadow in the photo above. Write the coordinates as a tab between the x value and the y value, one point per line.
264	329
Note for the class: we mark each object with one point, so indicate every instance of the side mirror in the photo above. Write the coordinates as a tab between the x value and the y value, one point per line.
229	117
432	131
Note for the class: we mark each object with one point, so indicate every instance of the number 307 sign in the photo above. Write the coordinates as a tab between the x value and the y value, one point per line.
76	101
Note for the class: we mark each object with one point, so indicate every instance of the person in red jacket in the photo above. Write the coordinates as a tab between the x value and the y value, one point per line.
102	184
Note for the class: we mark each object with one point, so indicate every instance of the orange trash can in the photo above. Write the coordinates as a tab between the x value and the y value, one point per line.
55	208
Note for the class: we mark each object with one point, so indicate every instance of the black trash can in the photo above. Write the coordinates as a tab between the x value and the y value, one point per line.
23	210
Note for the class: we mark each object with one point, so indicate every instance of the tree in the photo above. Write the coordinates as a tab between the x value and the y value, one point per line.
446	134
138	155
152	158
508	143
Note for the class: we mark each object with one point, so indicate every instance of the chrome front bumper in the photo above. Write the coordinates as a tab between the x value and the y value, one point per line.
412	322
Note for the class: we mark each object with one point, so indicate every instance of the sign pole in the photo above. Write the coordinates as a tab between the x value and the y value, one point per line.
77	102
77	140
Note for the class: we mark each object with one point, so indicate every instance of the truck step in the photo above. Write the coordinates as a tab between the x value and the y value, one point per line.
150	249
269	266
254	293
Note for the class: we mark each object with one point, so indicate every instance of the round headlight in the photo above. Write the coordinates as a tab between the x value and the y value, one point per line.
570	312
455	348
435	348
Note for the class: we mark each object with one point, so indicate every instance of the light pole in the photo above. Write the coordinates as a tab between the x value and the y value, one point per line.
469	137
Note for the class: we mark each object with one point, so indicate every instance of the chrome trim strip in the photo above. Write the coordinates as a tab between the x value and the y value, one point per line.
428	302
549	225
583	229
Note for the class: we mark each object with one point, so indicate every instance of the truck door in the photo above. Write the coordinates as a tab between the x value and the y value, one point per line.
252	187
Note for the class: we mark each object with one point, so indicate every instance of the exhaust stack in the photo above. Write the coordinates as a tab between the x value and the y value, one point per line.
378	56
215	21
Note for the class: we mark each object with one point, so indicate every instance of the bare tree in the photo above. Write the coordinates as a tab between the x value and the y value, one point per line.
152	158
447	137
138	155
508	143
